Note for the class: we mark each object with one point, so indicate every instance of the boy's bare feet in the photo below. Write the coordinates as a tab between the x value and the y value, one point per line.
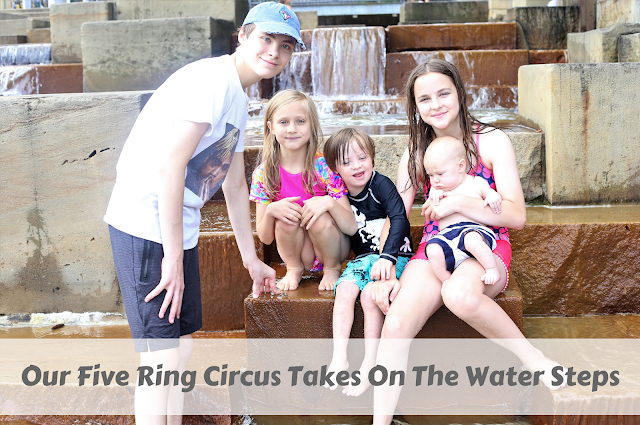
356	390
490	276
329	278
337	365
291	280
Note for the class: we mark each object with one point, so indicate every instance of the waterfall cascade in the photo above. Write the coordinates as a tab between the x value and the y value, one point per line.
25	54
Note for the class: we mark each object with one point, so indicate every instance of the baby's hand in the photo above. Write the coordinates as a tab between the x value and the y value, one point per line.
494	200
435	195
381	270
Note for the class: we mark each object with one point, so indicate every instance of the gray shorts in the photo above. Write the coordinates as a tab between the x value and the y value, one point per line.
138	266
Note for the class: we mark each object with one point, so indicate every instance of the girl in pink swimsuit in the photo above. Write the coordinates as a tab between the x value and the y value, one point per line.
300	202
437	107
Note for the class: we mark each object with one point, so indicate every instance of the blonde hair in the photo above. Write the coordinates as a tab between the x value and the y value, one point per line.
271	147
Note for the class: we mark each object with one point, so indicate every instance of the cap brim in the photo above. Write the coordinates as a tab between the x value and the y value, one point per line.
278	28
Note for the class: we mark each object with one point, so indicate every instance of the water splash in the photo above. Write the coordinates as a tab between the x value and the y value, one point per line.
293	75
25	54
18	80
348	61
253	91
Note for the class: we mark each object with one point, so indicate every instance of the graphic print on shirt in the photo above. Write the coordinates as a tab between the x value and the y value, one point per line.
369	230
207	170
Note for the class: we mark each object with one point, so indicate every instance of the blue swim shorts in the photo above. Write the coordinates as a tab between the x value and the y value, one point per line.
358	271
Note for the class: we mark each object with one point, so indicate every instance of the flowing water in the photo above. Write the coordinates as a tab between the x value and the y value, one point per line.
25	54
18	75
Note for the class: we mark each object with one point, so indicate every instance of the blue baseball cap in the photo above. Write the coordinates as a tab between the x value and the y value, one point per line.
275	18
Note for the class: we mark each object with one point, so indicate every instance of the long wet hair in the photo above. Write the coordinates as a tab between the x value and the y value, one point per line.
421	134
271	147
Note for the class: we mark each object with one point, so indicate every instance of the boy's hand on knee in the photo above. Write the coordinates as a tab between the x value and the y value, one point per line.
171	280
381	270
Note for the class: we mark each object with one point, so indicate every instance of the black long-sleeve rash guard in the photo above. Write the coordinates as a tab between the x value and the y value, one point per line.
380	199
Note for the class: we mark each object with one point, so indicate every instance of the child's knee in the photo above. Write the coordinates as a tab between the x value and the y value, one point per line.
434	251
473	240
323	224
287	228
347	289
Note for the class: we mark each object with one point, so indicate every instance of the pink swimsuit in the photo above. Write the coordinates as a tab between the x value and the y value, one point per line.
503	248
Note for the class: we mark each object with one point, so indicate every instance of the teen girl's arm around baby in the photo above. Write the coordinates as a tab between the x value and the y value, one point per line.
497	154
236	194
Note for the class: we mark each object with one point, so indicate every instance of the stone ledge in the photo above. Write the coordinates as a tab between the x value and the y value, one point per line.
308	313
470	36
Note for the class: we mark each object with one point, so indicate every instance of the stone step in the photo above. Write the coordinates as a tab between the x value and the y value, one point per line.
308	313
41	79
566	261
471	36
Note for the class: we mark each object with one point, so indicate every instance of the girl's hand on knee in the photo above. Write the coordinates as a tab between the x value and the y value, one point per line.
382	292
314	208
381	270
286	210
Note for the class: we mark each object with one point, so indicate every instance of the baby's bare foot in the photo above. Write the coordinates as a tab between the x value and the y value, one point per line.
291	280
329	278
490	276
337	365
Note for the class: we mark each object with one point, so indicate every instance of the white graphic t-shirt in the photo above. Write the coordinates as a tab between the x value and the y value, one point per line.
208	91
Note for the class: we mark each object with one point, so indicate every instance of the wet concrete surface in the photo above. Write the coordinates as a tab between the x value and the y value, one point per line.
604	326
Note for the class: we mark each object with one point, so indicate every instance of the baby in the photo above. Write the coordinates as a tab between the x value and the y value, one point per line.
459	237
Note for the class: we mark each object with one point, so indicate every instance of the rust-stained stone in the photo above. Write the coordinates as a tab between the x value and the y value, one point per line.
224	281
578	268
49	79
105	419
584	420
472	36
307	313
477	68
547	56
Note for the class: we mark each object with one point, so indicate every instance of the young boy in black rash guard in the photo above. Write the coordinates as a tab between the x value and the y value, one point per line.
374	199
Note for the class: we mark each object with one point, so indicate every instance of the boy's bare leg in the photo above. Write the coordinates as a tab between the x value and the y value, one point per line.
438	264
475	244
373	321
176	395
331	247
290	239
151	400
343	307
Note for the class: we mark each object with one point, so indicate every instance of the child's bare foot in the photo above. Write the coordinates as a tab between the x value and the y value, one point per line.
337	365
547	365
490	276
356	390
291	280
329	278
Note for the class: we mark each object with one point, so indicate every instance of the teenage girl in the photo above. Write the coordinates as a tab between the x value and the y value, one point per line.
437	107
300	202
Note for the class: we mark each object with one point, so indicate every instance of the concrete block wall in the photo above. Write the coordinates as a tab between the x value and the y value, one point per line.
66	21
546	28
59	154
629	48
599	45
589	116
444	12
229	10
613	12
142	54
